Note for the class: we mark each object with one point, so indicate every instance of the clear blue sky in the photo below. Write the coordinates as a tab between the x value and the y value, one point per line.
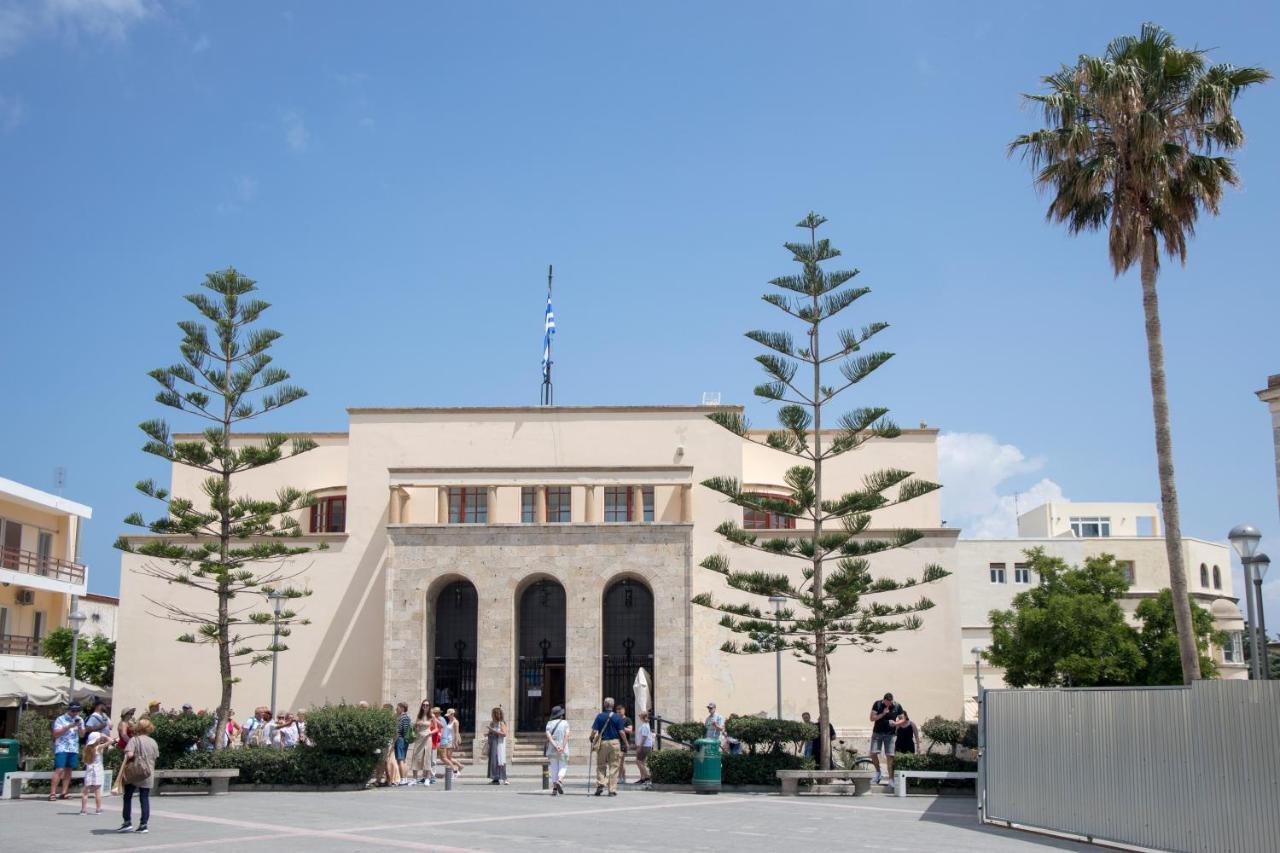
397	178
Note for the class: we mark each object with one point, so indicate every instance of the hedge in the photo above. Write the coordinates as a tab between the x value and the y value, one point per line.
300	766
752	731
934	761
176	733
675	767
952	733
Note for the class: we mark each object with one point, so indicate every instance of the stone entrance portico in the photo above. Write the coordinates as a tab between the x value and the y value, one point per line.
501	561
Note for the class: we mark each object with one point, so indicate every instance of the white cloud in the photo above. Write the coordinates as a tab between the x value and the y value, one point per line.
12	112
975	469
295	131
244	189
21	20
201	44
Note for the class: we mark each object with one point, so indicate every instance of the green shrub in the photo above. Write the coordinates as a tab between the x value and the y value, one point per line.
177	733
300	766
950	733
683	732
935	761
675	767
774	734
350	729
35	737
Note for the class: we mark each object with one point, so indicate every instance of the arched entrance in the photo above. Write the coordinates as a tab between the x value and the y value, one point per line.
628	639
453	683
540	682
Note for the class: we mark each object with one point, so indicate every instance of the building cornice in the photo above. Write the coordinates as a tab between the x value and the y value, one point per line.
538	410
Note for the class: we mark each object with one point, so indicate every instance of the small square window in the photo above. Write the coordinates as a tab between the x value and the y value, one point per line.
1021	574
468	505
997	573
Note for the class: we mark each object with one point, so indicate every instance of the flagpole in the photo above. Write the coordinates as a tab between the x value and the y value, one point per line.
548	394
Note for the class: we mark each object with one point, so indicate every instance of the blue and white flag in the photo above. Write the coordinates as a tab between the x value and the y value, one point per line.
548	329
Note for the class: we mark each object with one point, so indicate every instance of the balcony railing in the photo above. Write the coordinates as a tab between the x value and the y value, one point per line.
12	644
45	567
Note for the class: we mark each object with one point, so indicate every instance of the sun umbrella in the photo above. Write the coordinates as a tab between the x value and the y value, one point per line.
640	689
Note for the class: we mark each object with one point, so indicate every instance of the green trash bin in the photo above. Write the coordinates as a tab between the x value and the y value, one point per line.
8	758
706	766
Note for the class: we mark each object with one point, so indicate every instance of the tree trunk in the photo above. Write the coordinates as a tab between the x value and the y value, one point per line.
224	547
1187	650
819	634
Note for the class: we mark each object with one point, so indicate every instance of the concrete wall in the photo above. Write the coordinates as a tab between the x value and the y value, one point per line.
1053	519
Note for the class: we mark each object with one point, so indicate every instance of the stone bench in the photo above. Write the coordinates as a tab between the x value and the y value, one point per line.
791	779
900	777
13	781
219	778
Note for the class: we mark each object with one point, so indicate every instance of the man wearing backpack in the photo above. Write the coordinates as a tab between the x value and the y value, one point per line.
136	772
608	738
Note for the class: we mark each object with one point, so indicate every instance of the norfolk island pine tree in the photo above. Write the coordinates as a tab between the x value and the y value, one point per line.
825	607
236	548
1129	145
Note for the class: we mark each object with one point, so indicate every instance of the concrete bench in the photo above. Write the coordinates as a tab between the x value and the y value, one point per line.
900	777
791	779
219	778
13	781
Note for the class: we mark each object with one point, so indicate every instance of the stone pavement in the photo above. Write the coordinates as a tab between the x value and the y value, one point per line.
477	816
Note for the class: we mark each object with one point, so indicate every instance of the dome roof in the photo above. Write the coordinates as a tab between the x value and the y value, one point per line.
1225	610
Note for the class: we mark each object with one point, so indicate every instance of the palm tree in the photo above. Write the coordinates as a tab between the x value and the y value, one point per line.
1134	142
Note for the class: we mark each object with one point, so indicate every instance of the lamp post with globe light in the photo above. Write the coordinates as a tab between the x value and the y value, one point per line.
778	601
77	619
1244	539
277	602
1261	562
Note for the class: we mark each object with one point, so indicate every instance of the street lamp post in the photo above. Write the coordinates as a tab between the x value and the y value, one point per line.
778	601
982	735
1244	539
277	602
77	621
1261	562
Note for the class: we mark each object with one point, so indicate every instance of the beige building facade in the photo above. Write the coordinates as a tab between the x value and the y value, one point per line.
1271	396
525	557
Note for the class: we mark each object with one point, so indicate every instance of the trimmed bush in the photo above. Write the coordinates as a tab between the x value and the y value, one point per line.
675	767
932	761
773	734
35	738
684	732
350	729
950	733
177	733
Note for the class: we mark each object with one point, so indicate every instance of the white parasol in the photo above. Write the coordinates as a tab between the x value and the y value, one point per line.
640	689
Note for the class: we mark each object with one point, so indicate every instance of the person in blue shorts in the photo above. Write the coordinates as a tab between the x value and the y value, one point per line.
66	732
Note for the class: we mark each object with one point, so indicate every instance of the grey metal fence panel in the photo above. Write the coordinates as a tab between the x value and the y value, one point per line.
1170	768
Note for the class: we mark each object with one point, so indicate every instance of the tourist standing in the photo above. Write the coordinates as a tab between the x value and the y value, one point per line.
557	749
644	745
136	770
301	717
907	737
497	735
420	759
94	746
450	739
714	724
404	724
233	730
124	730
628	728
884	712
98	721
607	737
66	749
437	729
288	735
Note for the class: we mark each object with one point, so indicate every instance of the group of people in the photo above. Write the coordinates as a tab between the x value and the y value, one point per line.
435	737
613	734
286	730
892	732
78	740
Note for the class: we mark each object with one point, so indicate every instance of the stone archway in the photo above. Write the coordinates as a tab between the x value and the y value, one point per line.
627	621
453	651
541	653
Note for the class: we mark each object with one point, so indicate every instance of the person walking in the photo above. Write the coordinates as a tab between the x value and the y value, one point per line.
66	731
557	749
404	724
497	735
607	738
94	773
136	770
420	759
450	739
628	728
907	736
644	745
884	714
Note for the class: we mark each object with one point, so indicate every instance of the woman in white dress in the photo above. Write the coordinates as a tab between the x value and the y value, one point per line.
557	749
94	773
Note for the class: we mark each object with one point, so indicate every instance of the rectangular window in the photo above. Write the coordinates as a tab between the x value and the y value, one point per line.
329	515
1127	567
37	627
4	621
758	519
528	494
997	573
1091	526
44	550
1021	574
617	503
468	505
1233	649
646	498
11	544
559	504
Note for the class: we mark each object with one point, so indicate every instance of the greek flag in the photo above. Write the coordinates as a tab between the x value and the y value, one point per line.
548	329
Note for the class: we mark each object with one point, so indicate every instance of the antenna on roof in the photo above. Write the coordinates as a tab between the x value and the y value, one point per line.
59	479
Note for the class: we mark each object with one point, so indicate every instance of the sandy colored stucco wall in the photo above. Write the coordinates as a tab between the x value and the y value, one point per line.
1053	519
341	654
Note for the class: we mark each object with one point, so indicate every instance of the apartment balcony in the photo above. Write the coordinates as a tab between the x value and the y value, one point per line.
12	644
26	568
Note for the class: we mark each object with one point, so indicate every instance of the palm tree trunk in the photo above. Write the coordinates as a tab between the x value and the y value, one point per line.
1187	650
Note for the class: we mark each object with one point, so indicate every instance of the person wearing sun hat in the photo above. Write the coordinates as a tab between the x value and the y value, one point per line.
557	749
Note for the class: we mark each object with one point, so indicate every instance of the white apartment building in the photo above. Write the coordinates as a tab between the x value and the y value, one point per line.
993	571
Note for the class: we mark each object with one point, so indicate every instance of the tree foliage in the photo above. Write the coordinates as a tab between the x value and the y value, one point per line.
833	600
1070	631
95	656
1158	640
234	547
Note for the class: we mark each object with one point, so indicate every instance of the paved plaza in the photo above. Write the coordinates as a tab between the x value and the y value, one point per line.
476	816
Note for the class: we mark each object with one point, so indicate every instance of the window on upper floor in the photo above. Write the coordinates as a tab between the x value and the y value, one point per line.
1021	573
38	626
44	549
1217	578
758	519
618	503
468	505
997	573
1233	648
4	621
10	543
1091	526
558	501
1204	576
329	514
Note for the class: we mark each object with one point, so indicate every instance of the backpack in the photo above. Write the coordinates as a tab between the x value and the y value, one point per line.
137	769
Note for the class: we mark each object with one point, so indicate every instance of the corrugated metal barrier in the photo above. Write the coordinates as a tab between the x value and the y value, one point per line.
1165	768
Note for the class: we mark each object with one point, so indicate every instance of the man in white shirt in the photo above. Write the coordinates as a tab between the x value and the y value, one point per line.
714	723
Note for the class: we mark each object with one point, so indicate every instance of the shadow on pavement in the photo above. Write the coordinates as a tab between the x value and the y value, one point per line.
944	810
